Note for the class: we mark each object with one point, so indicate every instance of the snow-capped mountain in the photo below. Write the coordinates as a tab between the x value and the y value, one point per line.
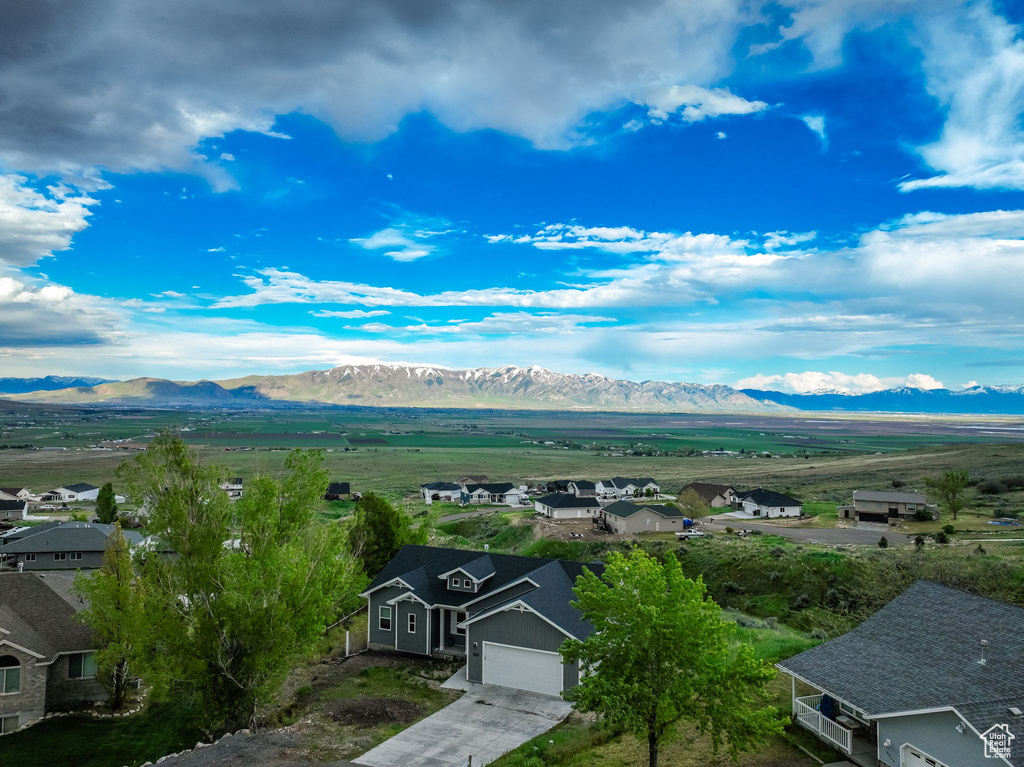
1004	400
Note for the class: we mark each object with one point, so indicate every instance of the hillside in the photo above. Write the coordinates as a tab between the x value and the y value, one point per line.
974	399
46	383
407	386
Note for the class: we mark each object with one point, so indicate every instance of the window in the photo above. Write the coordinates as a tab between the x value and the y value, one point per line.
8	724
459	617
76	554
81	666
60	556
456	583
384	622
412	623
10	675
30	557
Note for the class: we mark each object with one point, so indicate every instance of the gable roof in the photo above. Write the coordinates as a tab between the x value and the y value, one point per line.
507	569
906	675
80	487
764	497
563	501
68	536
887	497
38	619
494	488
707	490
13	505
337	488
621	482
624	509
583	484
24	532
441	486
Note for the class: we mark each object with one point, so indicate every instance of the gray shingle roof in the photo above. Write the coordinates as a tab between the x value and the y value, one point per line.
921	651
625	509
706	490
764	497
12	505
494	487
563	501
622	482
887	497
39	619
68	536
584	484
479	568
80	487
337	488
24	532
442	486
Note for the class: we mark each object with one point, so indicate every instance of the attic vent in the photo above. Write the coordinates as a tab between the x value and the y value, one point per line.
1014	711
984	644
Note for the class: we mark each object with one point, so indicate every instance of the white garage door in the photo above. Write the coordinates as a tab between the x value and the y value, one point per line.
912	757
523	669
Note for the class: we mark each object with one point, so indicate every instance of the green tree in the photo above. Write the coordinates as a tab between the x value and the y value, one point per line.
660	653
114	614
378	530
106	506
951	490
691	504
253	584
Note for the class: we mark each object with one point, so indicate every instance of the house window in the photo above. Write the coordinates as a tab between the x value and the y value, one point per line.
10	675
8	724
384	622
459	617
30	557
456	583
60	556
81	665
76	554
412	623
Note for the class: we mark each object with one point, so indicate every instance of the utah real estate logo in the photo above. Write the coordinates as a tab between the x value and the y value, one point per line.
998	740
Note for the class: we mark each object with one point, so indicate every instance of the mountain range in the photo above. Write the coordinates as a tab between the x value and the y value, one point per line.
508	387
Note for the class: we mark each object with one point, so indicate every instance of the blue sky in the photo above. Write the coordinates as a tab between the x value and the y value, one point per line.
794	195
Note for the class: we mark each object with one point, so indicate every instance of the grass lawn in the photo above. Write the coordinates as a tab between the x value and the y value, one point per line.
86	742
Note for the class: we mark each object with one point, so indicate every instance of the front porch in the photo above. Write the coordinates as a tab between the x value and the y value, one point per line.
853	739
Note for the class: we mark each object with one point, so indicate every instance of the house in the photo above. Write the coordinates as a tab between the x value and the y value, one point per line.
61	546
883	507
46	658
933	678
337	491
441	491
768	503
620	487
471	479
506	615
500	492
13	510
565	506
556	486
631	518
715	496
233	487
583	488
15	494
80	491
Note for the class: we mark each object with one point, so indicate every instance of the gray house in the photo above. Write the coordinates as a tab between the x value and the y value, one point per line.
506	615
60	546
933	679
564	506
46	659
13	510
632	518
884	507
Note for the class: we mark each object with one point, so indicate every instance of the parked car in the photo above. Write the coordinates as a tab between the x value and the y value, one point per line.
685	535
47	506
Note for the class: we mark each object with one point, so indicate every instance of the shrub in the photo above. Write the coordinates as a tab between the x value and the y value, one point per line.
919	542
883	543
1014	483
771	622
991	487
777	551
801	602
948	529
980	550
731	587
941	537
729	530
923	515
819	634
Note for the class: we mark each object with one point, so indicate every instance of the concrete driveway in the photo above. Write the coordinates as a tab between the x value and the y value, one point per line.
486	722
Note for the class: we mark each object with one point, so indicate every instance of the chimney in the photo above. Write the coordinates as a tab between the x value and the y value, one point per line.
984	644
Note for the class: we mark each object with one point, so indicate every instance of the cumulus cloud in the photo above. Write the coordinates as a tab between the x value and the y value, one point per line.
352	314
693	103
35	224
816	123
53	315
811	382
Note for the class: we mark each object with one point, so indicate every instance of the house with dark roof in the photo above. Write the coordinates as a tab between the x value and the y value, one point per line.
9	510
583	488
15	494
46	658
565	506
556	486
494	493
337	491
884	507
80	491
768	503
715	496
506	615
441	491
935	678
60	546
632	518
622	487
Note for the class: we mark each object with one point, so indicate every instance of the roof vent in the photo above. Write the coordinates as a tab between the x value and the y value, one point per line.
984	644
1014	711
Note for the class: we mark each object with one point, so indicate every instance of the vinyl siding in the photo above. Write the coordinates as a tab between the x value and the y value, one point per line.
644	522
935	735
415	642
378	598
519	629
91	560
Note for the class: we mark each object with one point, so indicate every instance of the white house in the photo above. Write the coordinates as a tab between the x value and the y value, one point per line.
496	493
15	494
564	506
80	491
622	487
440	491
768	503
233	487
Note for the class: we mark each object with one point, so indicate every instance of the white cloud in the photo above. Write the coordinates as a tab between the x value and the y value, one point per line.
721	135
817	125
34	224
922	381
395	244
352	314
694	103
633	126
53	315
811	382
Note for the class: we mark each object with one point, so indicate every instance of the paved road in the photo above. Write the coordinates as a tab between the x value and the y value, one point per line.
830	535
486	722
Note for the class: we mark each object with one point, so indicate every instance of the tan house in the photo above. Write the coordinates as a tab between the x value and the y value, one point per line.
46	657
715	496
883	507
631	518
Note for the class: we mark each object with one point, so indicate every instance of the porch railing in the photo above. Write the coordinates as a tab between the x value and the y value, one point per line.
806	713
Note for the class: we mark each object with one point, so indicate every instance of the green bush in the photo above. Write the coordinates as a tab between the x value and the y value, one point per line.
923	515
941	537
948	529
883	542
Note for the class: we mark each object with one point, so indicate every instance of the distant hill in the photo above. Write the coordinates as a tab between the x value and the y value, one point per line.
46	383
980	400
383	385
